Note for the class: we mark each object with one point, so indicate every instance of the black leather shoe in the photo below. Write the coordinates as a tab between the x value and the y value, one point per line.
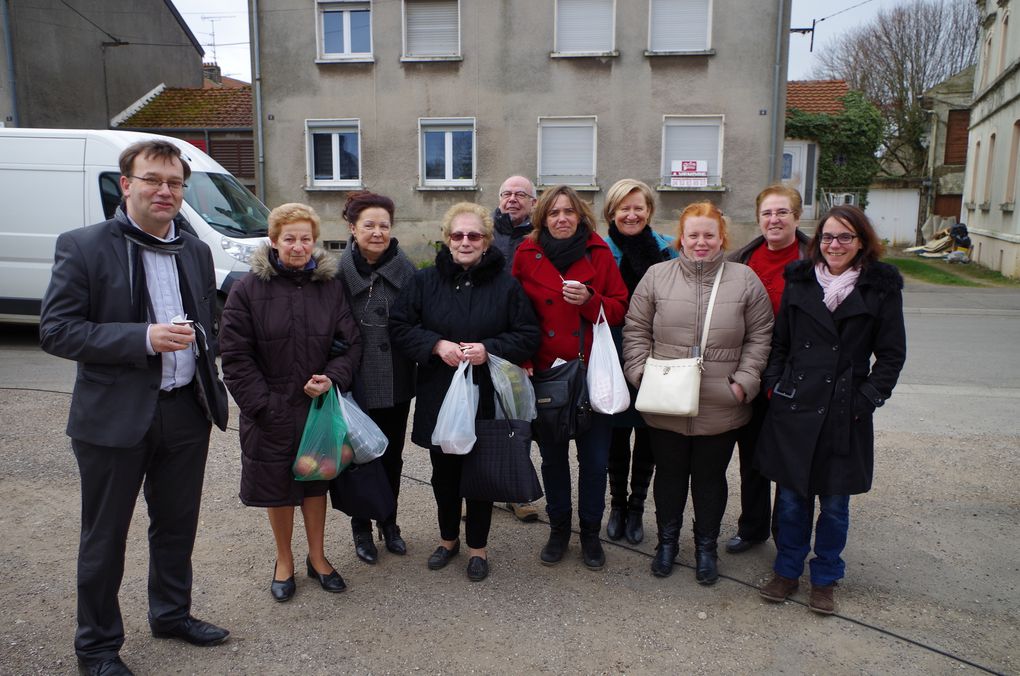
332	582
394	543
365	548
738	545
282	590
634	530
111	666
614	526
477	569
195	632
442	556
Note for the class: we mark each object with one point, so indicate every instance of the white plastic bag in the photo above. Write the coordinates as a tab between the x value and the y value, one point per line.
363	435
512	383
607	388
455	425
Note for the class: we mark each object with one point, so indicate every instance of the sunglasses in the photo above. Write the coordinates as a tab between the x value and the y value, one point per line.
472	236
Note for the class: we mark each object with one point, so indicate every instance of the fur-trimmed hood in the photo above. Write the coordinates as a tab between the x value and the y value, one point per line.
326	265
883	276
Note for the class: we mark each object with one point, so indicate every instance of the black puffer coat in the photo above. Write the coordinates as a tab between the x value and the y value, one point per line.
818	437
276	332
483	304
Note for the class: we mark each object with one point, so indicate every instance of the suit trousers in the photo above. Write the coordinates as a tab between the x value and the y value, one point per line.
169	462
393	423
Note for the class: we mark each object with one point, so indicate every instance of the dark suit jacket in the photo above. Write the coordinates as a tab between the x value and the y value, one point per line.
87	316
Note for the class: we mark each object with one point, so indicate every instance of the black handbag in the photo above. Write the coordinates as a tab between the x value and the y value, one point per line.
561	399
499	467
363	491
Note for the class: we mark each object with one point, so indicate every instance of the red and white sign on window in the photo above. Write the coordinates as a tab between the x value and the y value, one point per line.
689	174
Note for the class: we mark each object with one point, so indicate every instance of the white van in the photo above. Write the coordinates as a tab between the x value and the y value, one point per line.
53	180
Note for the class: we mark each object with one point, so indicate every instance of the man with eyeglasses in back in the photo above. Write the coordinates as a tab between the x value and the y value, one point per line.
511	224
132	301
781	242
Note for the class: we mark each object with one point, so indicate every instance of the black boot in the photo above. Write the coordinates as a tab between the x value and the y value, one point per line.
364	547
705	558
667	549
615	525
591	546
559	538
395	544
634	528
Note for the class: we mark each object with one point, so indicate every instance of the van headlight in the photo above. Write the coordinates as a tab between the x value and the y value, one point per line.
239	250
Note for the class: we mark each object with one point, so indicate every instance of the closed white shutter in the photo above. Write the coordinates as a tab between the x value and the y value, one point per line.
568	154
679	25
692	140
584	26
432	28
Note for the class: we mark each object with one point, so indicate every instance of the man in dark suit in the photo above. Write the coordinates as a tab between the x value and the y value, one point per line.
132	301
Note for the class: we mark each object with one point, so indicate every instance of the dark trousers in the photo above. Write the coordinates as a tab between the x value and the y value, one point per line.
699	461
446	469
169	463
638	465
755	520
393	423
592	458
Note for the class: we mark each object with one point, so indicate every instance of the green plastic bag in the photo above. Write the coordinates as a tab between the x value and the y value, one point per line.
322	453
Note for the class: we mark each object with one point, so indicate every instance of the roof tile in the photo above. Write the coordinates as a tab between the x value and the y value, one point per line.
816	96
183	108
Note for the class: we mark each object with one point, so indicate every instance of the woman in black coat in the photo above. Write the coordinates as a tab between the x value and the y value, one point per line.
840	308
463	309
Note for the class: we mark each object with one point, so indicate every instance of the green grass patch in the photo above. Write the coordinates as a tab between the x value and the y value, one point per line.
930	271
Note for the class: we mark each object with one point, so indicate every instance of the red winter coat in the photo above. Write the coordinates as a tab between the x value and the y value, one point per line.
559	319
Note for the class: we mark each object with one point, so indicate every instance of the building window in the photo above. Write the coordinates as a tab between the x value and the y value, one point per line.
447	151
989	169
956	137
431	29
1014	147
334	153
679	26
1003	41
344	30
585	27
687	139
974	173
566	150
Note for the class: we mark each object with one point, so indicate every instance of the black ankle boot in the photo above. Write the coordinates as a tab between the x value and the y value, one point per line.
591	546
706	560
391	536
635	529
615	525
667	549
559	538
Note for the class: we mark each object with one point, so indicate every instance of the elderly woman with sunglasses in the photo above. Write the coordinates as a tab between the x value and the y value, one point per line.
464	308
373	270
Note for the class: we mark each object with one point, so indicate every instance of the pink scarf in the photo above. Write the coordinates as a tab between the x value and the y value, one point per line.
835	287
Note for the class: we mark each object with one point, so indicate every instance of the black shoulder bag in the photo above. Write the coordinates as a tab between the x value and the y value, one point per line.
561	398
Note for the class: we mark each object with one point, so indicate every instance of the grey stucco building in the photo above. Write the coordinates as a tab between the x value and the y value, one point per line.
437	101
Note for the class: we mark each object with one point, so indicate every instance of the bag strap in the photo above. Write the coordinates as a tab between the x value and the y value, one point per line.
711	306
506	416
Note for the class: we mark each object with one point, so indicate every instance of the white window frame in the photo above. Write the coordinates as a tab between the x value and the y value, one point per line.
447	125
715	182
333	127
657	50
406	55
572	121
346	7
560	50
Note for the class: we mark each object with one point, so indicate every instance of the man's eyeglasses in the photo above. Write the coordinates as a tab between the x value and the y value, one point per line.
472	236
173	184
842	238
519	194
778	213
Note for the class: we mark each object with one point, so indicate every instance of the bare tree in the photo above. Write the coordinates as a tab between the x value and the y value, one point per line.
896	57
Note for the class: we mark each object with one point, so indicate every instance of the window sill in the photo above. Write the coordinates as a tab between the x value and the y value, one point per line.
325	61
707	188
450	188
695	52
985	206
427	59
1007	207
334	187
584	55
579	188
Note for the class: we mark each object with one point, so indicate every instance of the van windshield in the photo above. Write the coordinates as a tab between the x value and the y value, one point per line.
226	205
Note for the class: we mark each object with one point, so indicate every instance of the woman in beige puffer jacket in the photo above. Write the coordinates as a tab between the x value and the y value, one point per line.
665	321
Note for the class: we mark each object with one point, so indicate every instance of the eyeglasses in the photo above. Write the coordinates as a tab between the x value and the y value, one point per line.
778	213
472	236
173	184
519	194
842	238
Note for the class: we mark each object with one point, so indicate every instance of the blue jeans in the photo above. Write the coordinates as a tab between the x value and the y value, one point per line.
793	539
592	459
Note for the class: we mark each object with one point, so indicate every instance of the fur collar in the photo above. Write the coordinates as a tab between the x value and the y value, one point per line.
883	276
325	270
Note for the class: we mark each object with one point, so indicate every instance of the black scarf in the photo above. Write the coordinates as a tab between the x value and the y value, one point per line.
638	253
563	253
362	265
138	240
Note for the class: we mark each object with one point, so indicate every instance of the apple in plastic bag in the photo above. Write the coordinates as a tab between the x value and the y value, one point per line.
306	466
327	468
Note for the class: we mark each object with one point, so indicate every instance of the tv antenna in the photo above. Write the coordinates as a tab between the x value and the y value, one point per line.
213	20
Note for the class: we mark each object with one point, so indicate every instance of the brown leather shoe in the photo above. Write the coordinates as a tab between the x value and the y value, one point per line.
821	600
778	588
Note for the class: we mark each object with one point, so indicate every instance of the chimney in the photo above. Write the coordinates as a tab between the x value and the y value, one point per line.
211	71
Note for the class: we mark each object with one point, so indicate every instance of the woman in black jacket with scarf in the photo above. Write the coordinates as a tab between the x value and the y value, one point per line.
840	308
463	309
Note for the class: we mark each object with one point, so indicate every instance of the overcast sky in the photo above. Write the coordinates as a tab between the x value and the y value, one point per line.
231	26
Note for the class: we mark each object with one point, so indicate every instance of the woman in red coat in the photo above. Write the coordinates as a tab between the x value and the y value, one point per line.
568	272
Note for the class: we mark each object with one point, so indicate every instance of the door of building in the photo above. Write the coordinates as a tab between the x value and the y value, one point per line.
800	171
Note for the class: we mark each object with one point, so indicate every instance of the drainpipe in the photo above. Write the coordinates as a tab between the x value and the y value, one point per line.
260	159
778	81
5	12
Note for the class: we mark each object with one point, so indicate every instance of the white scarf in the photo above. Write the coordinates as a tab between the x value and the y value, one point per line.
835	287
